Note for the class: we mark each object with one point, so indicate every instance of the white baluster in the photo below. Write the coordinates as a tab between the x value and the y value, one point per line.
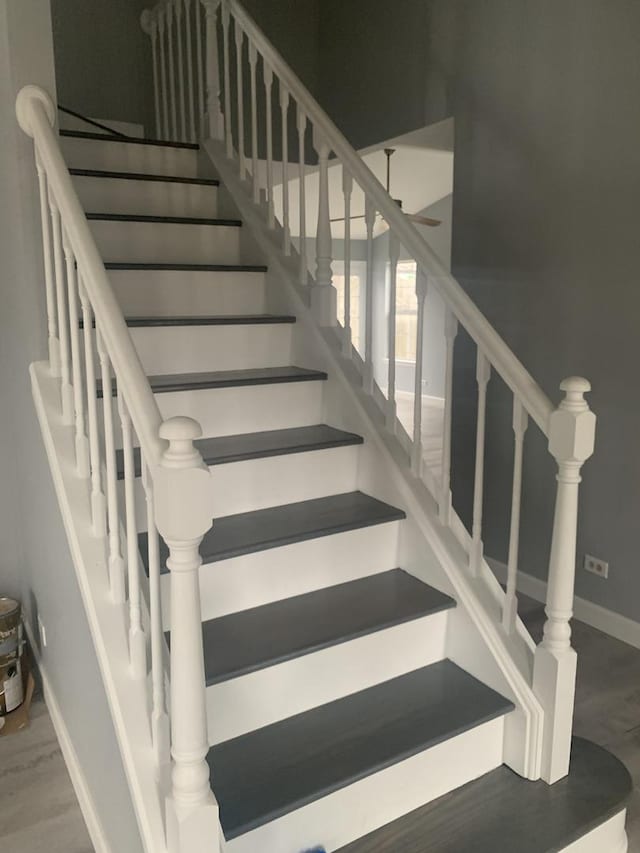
239	37
81	440
52	325
66	391
172	72
483	374
394	254
367	379
116	561
267	74
323	293
137	641
181	86
571	442
190	69
253	59
421	297
284	110
183	516
163	72
450	332
510	607
302	174
227	80
98	503
200	74
159	716
150	27
214	113
347	189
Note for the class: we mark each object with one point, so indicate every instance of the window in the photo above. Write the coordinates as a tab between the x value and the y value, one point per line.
357	277
406	311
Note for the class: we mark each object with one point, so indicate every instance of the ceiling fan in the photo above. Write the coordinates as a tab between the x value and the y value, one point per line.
414	217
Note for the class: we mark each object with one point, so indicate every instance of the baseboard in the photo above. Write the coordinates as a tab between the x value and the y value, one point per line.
607	621
78	779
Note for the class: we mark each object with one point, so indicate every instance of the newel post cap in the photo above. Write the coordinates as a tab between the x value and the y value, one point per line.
183	483
27	97
572	426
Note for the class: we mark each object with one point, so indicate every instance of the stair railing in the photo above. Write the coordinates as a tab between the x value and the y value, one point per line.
83	319
242	94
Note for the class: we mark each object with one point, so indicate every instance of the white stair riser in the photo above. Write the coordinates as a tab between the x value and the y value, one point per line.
354	811
129	157
181	349
162	242
165	293
152	198
245	408
252	580
305	682
259	483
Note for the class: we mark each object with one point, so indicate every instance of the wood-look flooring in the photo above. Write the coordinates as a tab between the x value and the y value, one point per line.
39	812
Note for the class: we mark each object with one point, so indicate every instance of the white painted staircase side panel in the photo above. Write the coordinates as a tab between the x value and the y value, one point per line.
272	481
252	580
353	811
153	198
181	349
167	242
116	156
166	293
315	679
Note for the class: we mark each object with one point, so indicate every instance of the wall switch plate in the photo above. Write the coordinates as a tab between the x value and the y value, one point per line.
596	566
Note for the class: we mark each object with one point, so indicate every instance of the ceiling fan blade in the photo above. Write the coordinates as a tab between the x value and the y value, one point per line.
342	218
423	220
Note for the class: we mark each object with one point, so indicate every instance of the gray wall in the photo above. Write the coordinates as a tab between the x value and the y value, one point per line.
35	563
103	59
547	174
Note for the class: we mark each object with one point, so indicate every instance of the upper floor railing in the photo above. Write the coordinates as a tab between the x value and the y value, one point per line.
215	73
107	412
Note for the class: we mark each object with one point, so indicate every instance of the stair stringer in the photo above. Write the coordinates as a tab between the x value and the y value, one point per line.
128	698
430	551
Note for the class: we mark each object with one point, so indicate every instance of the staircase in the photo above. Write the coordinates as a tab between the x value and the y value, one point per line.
329	662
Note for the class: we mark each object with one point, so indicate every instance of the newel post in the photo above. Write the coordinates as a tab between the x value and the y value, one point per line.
571	442
183	516
214	113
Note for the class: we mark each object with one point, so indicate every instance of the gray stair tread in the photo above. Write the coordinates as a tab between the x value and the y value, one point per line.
164	220
269	772
502	811
228	378
258	445
164	267
252	639
275	526
132	140
143	176
212	320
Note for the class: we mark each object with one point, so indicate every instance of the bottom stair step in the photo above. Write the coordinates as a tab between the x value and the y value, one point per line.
273	771
503	812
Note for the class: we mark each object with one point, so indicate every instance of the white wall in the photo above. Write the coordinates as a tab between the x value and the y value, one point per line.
35	563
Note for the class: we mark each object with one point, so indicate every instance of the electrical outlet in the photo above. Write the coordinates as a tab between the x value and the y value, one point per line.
43	633
596	566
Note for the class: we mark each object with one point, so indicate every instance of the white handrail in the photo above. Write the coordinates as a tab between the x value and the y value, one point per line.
33	109
471	318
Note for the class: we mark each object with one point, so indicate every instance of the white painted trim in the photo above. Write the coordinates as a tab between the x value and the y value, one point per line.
76	773
607	621
610	836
